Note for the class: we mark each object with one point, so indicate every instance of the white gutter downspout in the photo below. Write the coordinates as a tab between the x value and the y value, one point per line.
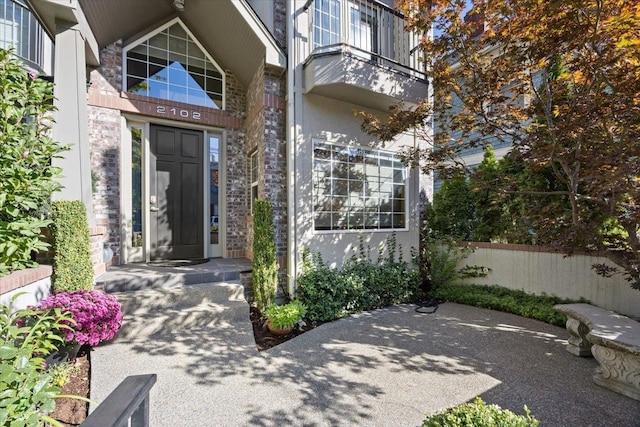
292	248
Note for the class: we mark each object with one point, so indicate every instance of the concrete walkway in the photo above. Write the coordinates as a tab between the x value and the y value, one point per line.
385	368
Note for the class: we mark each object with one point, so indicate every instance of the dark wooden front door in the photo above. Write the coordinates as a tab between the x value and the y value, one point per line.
176	179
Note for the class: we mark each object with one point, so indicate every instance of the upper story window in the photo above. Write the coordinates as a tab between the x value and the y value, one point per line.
361	26
367	28
358	188
171	64
20	30
326	23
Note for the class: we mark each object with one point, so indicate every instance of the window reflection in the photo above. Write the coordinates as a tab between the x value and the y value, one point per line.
357	188
171	66
136	187
214	184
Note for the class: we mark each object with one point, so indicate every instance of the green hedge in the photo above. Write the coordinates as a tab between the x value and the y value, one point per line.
72	267
478	414
495	297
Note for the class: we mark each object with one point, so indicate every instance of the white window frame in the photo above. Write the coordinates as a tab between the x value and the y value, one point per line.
367	150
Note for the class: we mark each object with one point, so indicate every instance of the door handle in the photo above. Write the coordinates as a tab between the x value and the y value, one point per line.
154	209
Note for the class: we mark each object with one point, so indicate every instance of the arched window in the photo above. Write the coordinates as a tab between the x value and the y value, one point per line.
169	63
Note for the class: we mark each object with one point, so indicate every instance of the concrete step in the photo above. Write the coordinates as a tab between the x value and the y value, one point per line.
135	277
170	310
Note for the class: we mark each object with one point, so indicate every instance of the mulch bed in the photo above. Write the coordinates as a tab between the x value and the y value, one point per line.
72	412
264	338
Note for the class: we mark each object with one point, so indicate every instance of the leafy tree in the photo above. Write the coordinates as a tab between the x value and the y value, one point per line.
560	81
27	177
490	220
452	211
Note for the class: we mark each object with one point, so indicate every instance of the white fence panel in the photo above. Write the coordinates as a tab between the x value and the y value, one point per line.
538	270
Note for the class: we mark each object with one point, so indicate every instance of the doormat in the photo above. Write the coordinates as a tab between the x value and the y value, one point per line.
177	262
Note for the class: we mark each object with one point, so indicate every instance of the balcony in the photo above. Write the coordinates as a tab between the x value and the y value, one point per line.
361	53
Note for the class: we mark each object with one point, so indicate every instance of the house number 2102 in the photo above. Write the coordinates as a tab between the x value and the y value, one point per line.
178	112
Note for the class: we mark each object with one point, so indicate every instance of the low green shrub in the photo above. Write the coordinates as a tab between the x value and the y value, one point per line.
321	289
360	285
479	414
440	259
495	297
62	372
72	267
286	315
27	336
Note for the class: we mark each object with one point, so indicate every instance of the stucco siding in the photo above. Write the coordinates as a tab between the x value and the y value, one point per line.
333	121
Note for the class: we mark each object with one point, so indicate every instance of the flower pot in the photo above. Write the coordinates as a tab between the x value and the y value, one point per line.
65	353
275	331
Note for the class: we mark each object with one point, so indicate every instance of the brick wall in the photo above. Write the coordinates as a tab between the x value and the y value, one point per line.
266	134
104	141
96	247
280	22
275	161
104	136
33	283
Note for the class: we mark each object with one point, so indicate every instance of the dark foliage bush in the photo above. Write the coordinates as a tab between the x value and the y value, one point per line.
360	285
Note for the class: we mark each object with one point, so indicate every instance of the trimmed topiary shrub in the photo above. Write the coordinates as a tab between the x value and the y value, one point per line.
265	265
72	267
27	177
479	414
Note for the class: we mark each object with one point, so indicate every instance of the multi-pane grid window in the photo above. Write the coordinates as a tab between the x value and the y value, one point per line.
254	177
326	23
171	65
20	30
357	188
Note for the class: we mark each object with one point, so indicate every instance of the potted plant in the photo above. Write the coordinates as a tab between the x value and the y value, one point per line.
96	317
282	318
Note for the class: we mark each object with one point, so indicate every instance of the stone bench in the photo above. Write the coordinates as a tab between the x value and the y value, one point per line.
614	341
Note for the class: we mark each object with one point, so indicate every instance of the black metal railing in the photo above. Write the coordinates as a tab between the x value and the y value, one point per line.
128	402
365	28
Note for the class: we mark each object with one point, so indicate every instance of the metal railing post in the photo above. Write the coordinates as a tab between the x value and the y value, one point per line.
129	401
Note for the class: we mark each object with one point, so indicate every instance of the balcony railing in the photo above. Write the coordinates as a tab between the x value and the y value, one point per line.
367	29
127	405
21	30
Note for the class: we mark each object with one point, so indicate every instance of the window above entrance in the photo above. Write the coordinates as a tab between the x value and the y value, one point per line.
169	63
